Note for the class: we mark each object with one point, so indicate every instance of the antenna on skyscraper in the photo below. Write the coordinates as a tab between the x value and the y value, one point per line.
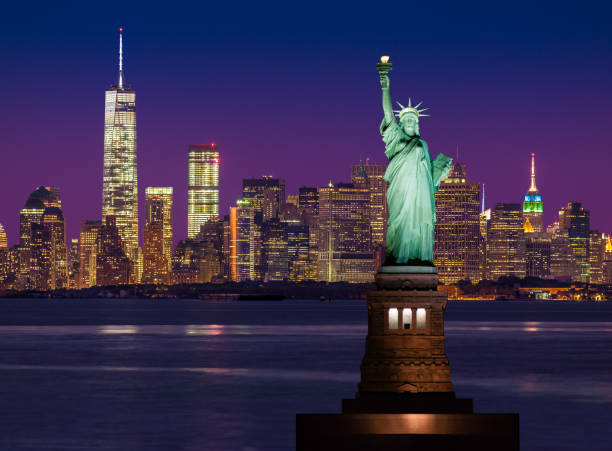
120	57
483	198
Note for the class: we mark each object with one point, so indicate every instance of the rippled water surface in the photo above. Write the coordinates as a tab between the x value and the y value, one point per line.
196	375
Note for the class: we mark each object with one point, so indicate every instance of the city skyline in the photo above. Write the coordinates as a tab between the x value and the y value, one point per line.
497	119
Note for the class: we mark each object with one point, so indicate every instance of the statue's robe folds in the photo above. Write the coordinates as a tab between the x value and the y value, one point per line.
413	179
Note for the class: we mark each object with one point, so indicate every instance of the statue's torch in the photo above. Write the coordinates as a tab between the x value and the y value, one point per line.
384	65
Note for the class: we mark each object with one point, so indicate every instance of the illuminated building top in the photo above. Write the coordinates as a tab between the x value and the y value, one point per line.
532	203
120	178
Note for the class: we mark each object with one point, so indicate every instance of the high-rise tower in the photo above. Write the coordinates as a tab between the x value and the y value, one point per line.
120	187
457	241
203	193
532	204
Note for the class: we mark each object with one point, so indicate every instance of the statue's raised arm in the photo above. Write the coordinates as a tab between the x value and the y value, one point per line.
413	179
384	66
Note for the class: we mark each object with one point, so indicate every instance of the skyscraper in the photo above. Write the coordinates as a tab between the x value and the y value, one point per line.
532	204
74	264
506	242
597	250
265	195
457	231
113	267
89	249
3	241
31	265
243	236
345	234
155	263
575	220
53	220
203	192
163	195
371	176
120	183
538	254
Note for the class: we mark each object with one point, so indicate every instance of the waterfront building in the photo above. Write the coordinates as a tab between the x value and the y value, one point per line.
506	242
561	260
457	231
120	181
607	261
186	262
88	238
39	275
113	266
538	254
298	252
155	262
165	195
74	264
597	250
371	176
53	220
308	204
532	204
345	234
275	255
243	242
212	261
575	219
32	213
3	240
203	190
265	195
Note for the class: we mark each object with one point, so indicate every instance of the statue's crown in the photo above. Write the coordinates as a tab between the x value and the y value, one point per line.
410	109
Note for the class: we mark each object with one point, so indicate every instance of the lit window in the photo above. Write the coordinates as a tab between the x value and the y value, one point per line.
421	316
393	317
407	318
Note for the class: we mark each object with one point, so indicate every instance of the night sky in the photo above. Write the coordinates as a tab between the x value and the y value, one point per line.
291	90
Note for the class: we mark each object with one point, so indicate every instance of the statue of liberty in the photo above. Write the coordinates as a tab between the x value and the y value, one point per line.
413	179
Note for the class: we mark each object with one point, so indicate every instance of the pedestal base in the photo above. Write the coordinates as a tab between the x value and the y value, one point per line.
381	431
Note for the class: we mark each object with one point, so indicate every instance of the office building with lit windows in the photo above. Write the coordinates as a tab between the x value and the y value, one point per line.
265	195
163	195
203	190
120	180
243	245
3	240
506	242
113	267
576	221
155	262
88	238
345	234
457	243
371	176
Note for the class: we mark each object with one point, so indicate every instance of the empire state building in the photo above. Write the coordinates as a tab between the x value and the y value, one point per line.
120	187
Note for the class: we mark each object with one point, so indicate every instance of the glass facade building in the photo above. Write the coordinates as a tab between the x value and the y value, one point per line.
203	191
120	183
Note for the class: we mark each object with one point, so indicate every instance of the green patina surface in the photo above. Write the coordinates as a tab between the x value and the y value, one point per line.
413	178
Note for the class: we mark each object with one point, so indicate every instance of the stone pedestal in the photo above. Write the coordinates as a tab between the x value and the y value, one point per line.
405	396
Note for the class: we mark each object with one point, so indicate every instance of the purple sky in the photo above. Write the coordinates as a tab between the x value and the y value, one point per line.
292	90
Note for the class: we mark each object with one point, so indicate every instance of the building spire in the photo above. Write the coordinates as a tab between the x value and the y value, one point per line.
532	187
120	57
483	199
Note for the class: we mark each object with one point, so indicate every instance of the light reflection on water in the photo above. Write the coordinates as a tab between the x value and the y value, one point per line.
162	376
328	329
